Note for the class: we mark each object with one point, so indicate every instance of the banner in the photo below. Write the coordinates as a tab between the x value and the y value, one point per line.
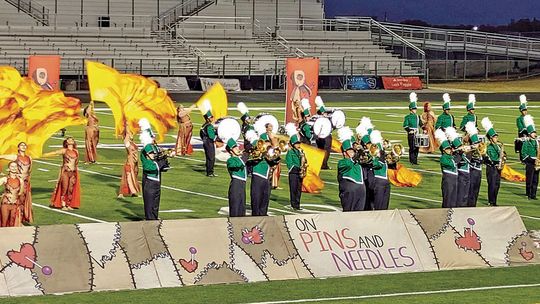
363	83
230	85
402	83
302	81
45	71
172	84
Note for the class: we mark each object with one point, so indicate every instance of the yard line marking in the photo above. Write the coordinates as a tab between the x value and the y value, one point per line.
401	294
68	213
177	211
42	169
530	217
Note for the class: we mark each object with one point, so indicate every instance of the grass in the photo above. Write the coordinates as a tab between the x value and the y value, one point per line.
507	86
188	188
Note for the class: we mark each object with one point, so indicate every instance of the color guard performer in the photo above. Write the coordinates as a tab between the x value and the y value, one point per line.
306	134
323	143
24	167
185	130
10	208
91	134
412	124
475	165
352	191
495	160
462	162
470	116
449	171
520	123
208	136
381	185
237	187
297	165
129	184
529	152
446	119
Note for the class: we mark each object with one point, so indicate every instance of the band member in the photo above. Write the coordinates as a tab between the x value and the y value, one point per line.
129	184
494	161
323	143
67	194
247	124
446	119
352	191
364	130
428	125
273	141
462	163
412	124
449	171
10	208
185	130
306	134
237	186
208	136
475	165
520	123
529	152
91	134
470	116
296	163
381	185
151	180
24	167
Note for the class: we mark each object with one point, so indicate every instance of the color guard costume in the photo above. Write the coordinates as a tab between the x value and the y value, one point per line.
520	123
208	136
529	152
493	160
24	169
323	143
91	134
449	171
185	131
446	119
10	207
475	165
352	191
381	185
294	165
412	125
237	187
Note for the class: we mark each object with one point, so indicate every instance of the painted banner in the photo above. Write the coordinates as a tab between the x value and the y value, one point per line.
45	71
60	259
302	81
230	85
172	84
402	83
363	83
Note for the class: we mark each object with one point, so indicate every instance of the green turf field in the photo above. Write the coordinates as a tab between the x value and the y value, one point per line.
187	187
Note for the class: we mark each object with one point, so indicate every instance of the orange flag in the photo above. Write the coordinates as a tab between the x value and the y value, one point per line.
403	177
312	182
512	175
30	114
336	145
217	97
131	97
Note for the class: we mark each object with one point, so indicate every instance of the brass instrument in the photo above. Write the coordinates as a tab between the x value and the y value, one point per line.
502	158
303	163
479	150
258	150
537	160
393	156
362	155
162	159
273	153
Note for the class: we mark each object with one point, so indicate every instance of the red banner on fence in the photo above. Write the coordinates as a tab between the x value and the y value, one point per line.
45	71
302	82
402	83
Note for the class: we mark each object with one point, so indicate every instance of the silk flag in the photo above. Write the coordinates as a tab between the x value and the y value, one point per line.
302	82
131	97
312	182
404	177
217	97
512	175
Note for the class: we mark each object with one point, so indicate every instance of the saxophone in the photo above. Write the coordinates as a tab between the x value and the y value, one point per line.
537	160
303	163
502	158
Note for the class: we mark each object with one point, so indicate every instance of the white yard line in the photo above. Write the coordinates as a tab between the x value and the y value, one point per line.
68	213
401	294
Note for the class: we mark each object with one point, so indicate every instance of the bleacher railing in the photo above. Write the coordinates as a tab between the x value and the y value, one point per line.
89	20
180	12
35	10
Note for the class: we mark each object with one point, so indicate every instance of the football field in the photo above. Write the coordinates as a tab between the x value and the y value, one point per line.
188	193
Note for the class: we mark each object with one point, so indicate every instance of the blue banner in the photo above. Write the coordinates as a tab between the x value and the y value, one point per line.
363	83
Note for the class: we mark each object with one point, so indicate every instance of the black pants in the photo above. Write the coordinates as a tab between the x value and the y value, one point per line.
531	178
381	193
351	195
475	178
260	195
209	154
413	149
369	182
449	190
237	197
326	145
151	196
493	176
295	189
463	188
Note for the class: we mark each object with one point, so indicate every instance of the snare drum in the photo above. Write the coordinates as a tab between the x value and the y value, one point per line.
421	140
482	138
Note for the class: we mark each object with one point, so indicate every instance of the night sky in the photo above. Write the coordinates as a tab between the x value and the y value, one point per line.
452	12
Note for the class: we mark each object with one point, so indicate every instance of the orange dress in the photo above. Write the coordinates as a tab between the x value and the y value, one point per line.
24	164
129	185
428	122
68	188
10	211
185	131
91	138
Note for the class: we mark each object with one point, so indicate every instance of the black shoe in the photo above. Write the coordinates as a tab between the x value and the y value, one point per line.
211	175
297	209
492	205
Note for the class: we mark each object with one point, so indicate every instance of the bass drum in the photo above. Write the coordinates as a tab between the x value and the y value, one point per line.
262	119
322	127
338	119
228	127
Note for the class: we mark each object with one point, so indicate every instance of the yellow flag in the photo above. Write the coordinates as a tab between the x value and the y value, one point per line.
30	114
312	182
404	177
217	97
512	175
131	97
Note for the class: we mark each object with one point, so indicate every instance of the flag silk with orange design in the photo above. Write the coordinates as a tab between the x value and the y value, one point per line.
302	82
512	175
404	177
131	97
313	183
32	115
217	96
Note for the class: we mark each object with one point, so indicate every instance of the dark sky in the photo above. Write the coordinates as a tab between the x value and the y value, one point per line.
449	12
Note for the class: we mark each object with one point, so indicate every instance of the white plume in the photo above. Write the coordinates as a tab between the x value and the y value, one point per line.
242	108
472	98
522	99
290	129
440	136
528	120
413	97
206	106
451	133
251	136
375	137
361	130
486	124
144	124
305	104
344	134
471	129
366	122
446	97
319	102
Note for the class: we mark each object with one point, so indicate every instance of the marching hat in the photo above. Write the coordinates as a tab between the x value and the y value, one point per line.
147	135
529	123
471	129
252	137
320	105
243	109
442	139
376	139
522	103
345	135
488	127
305	106
446	101
471	103
231	143
413	98
453	137
207	109
291	130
